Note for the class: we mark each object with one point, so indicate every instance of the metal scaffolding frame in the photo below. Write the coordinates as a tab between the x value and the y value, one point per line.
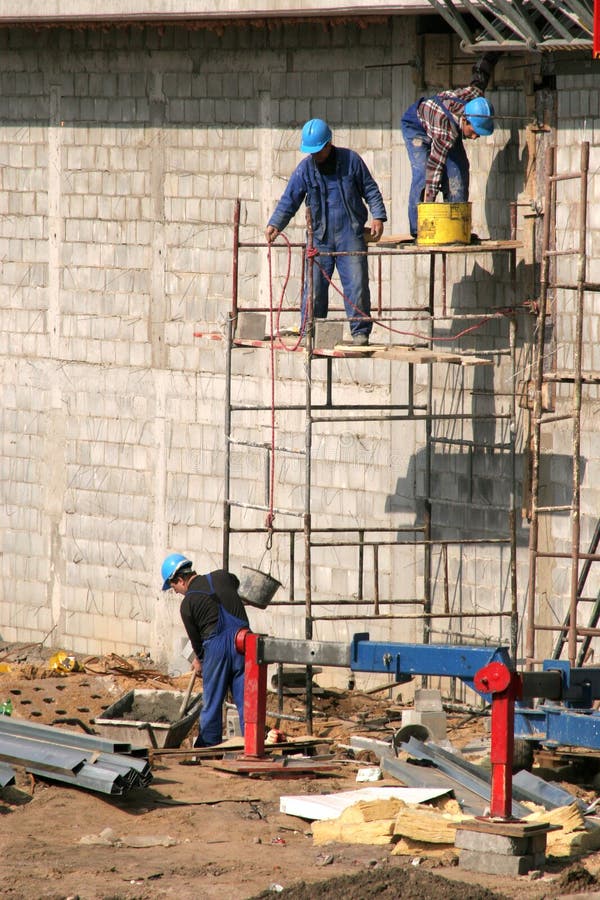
547	377
372	539
543	25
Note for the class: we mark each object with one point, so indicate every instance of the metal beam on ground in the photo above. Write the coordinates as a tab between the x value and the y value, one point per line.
24	752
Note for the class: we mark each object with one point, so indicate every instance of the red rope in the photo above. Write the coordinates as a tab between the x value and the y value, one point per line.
507	311
275	318
271	515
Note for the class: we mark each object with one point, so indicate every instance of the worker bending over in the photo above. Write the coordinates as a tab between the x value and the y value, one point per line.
212	612
337	187
433	129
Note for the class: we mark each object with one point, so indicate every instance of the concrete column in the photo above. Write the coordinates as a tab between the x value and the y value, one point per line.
158	302
405	582
55	223
161	636
54	480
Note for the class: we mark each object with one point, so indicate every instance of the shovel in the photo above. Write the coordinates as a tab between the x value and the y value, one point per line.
186	700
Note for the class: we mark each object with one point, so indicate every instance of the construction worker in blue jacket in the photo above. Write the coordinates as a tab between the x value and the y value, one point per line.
337	187
212	612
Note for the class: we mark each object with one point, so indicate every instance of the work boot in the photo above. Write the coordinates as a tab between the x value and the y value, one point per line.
361	339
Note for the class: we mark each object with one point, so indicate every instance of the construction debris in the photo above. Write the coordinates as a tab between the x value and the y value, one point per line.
330	806
85	761
577	835
384	821
472	777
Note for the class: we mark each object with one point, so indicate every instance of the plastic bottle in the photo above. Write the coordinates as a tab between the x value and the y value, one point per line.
6	708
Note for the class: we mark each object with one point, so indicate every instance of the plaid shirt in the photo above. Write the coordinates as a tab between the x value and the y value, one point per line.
443	133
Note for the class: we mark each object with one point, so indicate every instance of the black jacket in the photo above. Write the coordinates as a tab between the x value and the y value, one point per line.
200	608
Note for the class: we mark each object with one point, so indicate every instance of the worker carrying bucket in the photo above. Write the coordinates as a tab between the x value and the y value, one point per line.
434	128
213	613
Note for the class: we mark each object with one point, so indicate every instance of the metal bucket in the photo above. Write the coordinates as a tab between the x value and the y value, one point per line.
257	588
443	223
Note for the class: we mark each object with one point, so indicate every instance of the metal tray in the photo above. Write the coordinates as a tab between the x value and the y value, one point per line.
149	718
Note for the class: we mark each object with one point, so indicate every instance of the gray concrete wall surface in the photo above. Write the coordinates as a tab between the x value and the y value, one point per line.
147	10
122	153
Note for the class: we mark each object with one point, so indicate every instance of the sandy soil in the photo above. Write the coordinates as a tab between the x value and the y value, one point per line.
197	832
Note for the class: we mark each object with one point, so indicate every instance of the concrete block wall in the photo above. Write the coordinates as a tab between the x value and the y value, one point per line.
122	153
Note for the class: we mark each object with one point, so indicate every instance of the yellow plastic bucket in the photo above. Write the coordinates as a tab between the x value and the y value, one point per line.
443	223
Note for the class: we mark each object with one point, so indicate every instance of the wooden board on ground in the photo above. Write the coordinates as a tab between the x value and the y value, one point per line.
281	767
236	744
508	829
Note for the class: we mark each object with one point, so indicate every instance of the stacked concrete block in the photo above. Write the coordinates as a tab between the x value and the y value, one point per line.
501	849
427	714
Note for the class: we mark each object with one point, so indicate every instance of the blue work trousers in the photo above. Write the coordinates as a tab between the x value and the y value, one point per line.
455	180
353	270
222	669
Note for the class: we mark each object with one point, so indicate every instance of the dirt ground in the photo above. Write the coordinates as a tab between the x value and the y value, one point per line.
198	832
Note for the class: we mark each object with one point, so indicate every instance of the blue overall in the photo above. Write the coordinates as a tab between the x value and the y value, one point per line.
222	668
340	236
455	181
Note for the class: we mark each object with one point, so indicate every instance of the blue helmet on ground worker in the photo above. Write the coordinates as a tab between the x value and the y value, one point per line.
433	129
340	192
173	564
315	134
213	613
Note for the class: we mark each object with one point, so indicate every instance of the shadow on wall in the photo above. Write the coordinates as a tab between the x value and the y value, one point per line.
504	184
471	490
470	461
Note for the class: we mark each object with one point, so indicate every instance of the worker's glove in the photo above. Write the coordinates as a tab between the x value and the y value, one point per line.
484	66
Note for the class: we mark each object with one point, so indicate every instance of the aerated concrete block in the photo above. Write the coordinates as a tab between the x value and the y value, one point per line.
251	326
427	700
500	843
328	334
434	722
501	849
498	863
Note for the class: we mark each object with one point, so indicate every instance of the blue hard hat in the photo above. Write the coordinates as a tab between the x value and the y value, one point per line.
315	134
479	113
173	564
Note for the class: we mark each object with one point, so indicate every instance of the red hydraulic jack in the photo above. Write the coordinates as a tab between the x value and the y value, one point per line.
255	694
495	679
255	761
505	687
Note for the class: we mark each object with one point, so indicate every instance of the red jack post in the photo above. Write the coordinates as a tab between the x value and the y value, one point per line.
255	694
505	687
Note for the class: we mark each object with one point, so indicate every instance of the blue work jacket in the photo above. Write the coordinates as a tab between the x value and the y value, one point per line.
357	187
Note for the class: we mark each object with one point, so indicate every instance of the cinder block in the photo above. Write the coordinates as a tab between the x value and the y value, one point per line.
328	334
434	722
497	863
428	700
483	842
251	326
